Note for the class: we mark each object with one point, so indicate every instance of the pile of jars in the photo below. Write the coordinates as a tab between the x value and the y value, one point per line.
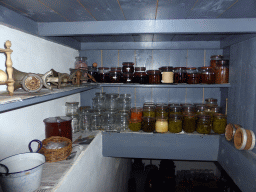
175	118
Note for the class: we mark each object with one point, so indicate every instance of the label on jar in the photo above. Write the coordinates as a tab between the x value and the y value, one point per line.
167	77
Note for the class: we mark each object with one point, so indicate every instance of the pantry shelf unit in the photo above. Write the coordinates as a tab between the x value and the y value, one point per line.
164	85
22	99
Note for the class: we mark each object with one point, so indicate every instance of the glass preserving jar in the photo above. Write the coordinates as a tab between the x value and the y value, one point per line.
81	63
134	125
85	117
161	125
75	123
154	76
188	109
148	124
166	74
72	108
192	75
219	123
124	102
103	74
140	75
115	77
211	102
128	67
96	121
127	77
175	109
200	108
149	110
98	102
136	113
111	101
122	121
93	71
203	124
108	120
214	59
175	123
222	72
207	75
189	123
161	110
180	75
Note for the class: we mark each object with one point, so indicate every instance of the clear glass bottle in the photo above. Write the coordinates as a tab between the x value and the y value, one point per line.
72	108
81	63
207	75
175	123
180	75
192	75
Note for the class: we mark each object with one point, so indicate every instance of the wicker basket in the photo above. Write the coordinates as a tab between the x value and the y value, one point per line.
54	155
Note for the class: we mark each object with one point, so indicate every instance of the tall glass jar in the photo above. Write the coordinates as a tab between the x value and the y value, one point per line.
214	59
192	75
149	110
122	122
222	72
161	110
72	108
175	123
84	119
140	75
128	67
166	74
219	123
161	125
148	124
154	76
180	75
111	101
189	123
103	74
207	75
81	63
203	124
124	102
115	77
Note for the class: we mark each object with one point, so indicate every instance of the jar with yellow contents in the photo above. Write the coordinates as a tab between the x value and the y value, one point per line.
189	123
161	125
175	123
219	123
203	124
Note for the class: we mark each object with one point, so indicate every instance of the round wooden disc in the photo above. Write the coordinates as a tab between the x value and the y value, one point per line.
32	83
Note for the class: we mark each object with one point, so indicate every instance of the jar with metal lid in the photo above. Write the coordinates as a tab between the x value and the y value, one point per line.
115	77
81	63
149	111
211	102
111	101
192	75
162	110
188	109
215	109
166	74
134	125
175	123
175	109
219	123
214	59
128	67
189	123
72	108
222	72
103	74
180	75
140	75
124	102
154	76
161	125
203	124
200	108
207	75
148	124
127	77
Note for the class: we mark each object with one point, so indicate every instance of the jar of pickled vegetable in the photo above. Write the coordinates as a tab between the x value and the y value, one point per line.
175	109
187	109
154	76
203	124
162	110
192	75
136	113
200	108
189	123
134	125
219	123
149	111
207	75
215	109
180	75
148	124
161	125
175	123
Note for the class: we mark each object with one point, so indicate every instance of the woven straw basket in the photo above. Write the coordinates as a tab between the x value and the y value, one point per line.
54	155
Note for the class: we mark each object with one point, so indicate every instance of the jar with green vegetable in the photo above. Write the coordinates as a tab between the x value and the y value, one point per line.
219	123
175	123
189	123
148	124
203	124
134	125
162	110
149	111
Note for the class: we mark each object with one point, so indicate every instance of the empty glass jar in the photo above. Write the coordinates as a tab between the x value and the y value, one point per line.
111	101
124	102
71	108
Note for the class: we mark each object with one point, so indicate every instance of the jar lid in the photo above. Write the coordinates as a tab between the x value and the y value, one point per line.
175	116
127	63
180	68
222	62
205	68
153	72
216	57
211	100
166	68
59	119
115	72
72	103
140	68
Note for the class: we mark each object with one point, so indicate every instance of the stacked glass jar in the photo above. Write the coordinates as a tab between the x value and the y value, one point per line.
72	111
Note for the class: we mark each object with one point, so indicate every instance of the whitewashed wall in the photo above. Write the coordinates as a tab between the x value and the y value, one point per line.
36	55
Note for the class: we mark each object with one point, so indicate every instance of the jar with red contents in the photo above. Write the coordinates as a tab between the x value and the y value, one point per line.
214	59
103	74
207	75
127	77
222	71
128	67
140	75
192	75
136	113
154	76
115	77
180	75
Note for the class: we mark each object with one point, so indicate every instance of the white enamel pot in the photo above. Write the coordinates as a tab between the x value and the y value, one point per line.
22	172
